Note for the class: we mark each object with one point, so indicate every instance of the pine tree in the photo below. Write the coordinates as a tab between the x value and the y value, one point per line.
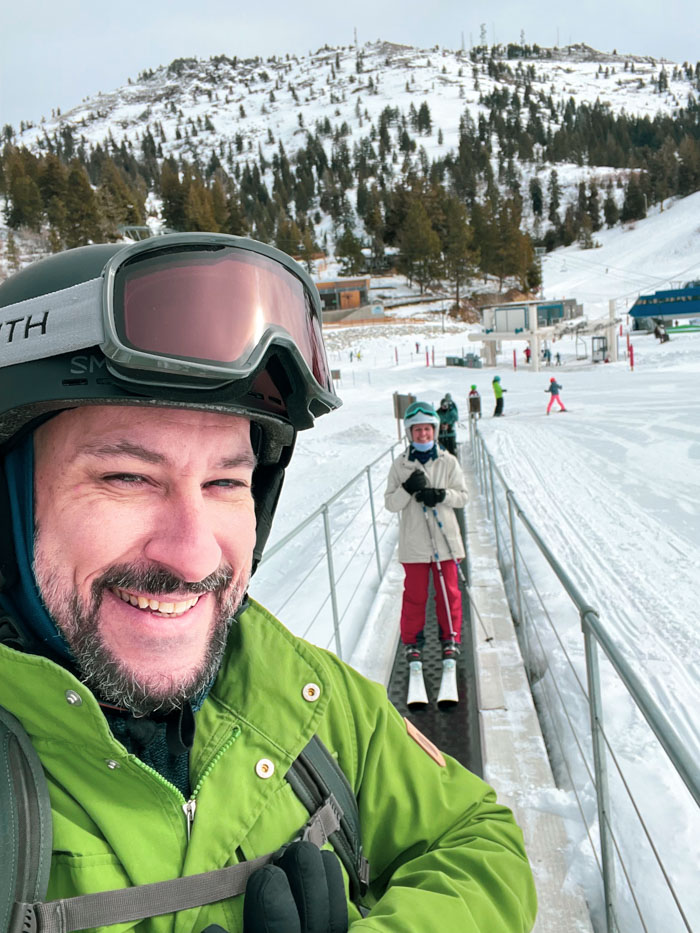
610	209
634	206
460	257
83	220
554	198
536	197
348	249
419	255
12	253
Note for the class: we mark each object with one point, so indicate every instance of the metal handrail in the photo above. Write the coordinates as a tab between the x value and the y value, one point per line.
594	635
323	511
270	552
661	725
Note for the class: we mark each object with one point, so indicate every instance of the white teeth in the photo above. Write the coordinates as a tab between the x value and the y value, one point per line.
154	605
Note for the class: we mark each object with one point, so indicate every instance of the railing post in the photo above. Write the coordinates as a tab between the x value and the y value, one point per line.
595	706
331	577
514	546
495	513
374	522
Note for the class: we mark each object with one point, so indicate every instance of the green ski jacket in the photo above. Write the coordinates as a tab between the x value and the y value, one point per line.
443	854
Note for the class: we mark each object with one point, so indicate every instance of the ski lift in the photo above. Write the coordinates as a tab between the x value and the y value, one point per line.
581	350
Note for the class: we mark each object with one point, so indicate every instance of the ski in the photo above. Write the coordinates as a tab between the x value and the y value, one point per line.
448	697
417	698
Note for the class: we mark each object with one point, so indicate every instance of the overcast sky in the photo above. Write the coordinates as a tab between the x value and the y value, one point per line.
55	52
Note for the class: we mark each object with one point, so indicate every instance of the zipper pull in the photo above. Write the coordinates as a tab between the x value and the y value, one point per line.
190	809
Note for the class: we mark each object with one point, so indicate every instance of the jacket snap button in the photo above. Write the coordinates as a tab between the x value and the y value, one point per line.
73	698
311	692
265	768
111	764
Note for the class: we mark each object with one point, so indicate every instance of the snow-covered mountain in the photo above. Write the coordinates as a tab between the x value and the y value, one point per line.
236	110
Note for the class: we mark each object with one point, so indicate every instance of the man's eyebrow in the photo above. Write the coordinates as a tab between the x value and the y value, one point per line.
139	452
124	448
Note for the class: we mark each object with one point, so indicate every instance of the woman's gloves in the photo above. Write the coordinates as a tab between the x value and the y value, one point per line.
417	480
417	485
302	892
430	496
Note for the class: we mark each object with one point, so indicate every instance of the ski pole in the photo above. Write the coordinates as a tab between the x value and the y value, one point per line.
462	578
440	574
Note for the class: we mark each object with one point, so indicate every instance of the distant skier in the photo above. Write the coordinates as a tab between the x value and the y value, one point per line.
554	388
449	416
498	391
558	358
422	479
474	400
528	354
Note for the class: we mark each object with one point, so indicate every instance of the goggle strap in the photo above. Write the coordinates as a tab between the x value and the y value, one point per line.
62	321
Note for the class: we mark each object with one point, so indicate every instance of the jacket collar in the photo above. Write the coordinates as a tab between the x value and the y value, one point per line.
261	683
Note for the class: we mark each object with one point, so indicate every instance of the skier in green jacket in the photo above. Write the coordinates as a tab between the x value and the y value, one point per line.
498	391
150	397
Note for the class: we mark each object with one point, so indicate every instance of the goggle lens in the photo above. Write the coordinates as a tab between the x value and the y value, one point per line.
213	306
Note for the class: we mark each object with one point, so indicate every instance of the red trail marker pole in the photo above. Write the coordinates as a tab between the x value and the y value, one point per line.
515	360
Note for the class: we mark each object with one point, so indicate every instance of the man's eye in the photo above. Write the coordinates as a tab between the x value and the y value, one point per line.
127	478
228	483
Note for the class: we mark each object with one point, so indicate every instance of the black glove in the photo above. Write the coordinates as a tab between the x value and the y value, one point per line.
417	480
430	496
302	892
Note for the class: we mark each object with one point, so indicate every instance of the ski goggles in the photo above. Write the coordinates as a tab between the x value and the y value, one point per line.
418	408
191	309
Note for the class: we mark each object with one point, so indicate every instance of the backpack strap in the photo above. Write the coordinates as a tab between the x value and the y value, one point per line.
25	820
317	778
25	815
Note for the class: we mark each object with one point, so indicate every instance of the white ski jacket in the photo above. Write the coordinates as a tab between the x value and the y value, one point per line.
415	546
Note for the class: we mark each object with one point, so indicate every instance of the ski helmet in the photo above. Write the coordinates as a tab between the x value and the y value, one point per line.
473	388
552	379
189	320
420	413
496	378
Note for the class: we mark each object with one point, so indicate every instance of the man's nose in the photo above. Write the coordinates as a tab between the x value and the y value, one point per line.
183	538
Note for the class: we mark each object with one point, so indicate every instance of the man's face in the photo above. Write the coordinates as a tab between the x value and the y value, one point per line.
422	433
145	527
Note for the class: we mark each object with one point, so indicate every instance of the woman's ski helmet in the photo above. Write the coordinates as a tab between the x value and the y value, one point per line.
420	413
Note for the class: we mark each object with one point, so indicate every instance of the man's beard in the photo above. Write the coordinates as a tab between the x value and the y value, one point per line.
98	666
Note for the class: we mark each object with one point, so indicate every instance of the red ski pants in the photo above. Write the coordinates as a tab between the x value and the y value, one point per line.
415	596
553	399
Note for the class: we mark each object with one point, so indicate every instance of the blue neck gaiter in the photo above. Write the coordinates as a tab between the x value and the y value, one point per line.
422	456
23	601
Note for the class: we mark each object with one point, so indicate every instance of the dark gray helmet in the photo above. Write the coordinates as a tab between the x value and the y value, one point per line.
202	321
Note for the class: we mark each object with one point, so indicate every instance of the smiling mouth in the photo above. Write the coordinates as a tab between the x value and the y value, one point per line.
162	608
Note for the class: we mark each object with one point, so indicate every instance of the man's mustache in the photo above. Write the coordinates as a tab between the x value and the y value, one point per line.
157	581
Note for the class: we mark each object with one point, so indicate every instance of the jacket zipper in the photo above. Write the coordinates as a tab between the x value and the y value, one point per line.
190	806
